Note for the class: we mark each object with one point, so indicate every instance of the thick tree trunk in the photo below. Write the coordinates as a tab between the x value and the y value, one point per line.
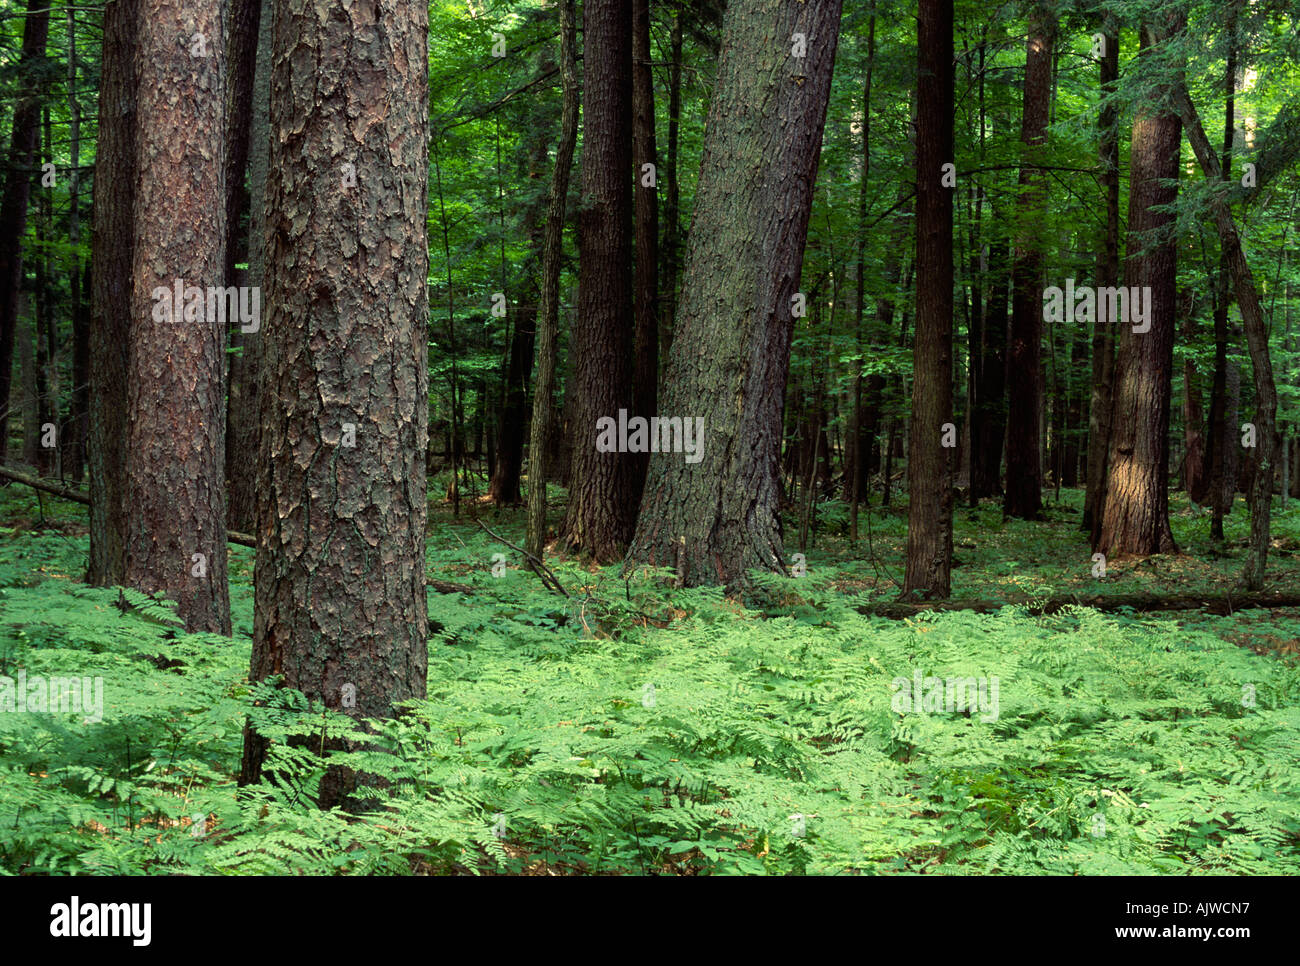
13	201
1135	520
717	517
175	438
1024	492
930	463
542	432
112	257
602	495
340	590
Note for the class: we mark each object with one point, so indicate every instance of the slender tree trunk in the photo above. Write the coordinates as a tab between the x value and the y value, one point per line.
1103	329
340	589
716	517
646	215
930	463
112	257
854	464
1024	492
13	202
1256	326
243	407
249	33
1220	446
541	430
1135	520
77	427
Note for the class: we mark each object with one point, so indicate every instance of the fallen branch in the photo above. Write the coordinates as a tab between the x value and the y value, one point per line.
63	492
1221	604
543	572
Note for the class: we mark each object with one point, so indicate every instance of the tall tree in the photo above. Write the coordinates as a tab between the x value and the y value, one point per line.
1024	490
111	260
1135	519
1267	443
1107	274
13	200
548	310
717	517
243	406
929	465
249	35
340	605
645	366
175	438
602	496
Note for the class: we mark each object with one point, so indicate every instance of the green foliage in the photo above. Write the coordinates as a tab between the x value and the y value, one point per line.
636	729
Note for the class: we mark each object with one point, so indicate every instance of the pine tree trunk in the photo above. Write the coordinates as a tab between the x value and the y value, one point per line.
112	257
340	605
1135	520
602	495
930	463
175	438
716	518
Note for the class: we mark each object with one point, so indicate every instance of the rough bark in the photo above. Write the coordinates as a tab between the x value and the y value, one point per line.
175	437
930	463
602	498
1135	519
112	256
340	589
717	518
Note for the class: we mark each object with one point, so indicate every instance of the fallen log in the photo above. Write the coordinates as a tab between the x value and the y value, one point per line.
66	493
1221	604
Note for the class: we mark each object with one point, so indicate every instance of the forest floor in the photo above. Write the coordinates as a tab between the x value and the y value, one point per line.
636	728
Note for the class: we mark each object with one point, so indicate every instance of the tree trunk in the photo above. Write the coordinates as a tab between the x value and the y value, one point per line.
1252	314
340	591
602	495
1024	492
930	463
1103	329
717	517
246	149
13	201
646	216
1135	520
175	438
77	427
112	257
542	431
